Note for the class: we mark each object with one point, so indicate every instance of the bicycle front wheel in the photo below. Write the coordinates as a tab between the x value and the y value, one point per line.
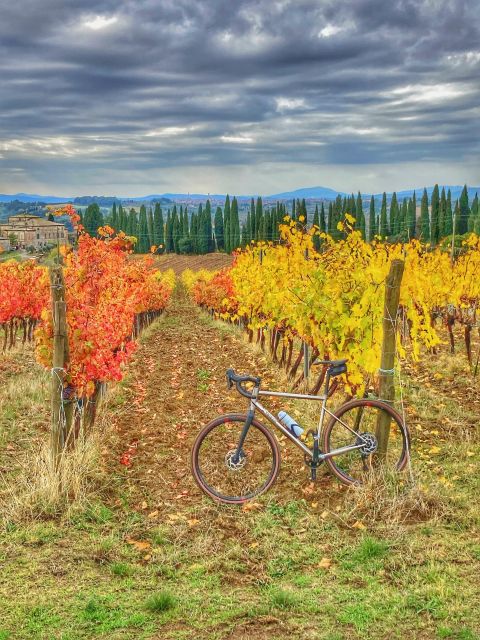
229	478
355	423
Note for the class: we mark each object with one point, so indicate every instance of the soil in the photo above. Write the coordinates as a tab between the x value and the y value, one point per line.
210	261
167	401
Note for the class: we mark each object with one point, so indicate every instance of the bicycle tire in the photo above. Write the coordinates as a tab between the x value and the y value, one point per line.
335	467
199	475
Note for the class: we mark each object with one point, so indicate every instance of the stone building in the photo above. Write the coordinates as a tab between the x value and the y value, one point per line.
33	231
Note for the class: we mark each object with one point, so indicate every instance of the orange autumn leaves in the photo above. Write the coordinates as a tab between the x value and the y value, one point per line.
105	291
24	291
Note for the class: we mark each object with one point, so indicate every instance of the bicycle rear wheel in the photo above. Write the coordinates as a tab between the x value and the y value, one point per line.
227	479
355	422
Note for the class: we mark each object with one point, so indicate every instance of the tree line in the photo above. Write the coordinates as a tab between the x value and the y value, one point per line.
184	231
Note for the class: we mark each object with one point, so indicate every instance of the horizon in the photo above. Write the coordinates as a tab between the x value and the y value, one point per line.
368	96
166	194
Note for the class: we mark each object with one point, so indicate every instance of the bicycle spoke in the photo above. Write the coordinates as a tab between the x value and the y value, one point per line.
357	424
225	473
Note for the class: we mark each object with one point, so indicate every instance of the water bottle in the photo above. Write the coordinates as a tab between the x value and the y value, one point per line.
290	423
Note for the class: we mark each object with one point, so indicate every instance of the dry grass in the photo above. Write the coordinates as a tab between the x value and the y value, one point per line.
393	500
40	491
30	488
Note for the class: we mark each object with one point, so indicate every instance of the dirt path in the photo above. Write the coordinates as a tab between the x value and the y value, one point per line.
176	385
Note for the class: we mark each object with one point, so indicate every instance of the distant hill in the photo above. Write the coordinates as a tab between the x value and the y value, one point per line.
309	193
455	191
32	197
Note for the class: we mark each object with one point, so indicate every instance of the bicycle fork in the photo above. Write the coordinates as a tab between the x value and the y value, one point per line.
246	427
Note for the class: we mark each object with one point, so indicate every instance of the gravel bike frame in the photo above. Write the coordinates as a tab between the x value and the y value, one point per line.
255	405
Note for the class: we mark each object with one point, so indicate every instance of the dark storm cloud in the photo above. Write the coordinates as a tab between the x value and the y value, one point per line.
152	84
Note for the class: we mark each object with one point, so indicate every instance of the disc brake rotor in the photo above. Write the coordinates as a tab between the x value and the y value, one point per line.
232	463
369	443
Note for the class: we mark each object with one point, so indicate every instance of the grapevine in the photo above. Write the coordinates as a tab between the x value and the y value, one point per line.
332	298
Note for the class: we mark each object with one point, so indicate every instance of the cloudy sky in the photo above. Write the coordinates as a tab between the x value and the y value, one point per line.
246	96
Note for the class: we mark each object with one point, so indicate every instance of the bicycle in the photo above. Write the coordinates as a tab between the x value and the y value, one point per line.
236	458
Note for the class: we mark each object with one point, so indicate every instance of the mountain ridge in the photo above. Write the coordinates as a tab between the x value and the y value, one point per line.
309	193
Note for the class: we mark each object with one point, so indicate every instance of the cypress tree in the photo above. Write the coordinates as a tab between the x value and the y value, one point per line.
258	218
330	218
456	217
303	210
412	216
360	216
158	231
442	212
132	223
448	224
114	216
143	244
122	219
316	223
226	224
424	218
394	215
93	219
251	228
279	219
219	237
372	230
244	238
295	209
150	226
168	233
464	212
472	220
383	227
322	220
435	216
186	226
234	226
211	239
248	226
337	215
403	223
194	232
202	235
352	207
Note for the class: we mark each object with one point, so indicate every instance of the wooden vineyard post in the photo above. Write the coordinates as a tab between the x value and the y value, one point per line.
60	358
387	364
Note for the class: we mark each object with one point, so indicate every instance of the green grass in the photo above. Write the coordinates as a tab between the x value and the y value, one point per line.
245	574
121	569
160	602
203	377
283	599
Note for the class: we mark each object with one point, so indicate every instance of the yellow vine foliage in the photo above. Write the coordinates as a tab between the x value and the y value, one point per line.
334	298
167	277
189	278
